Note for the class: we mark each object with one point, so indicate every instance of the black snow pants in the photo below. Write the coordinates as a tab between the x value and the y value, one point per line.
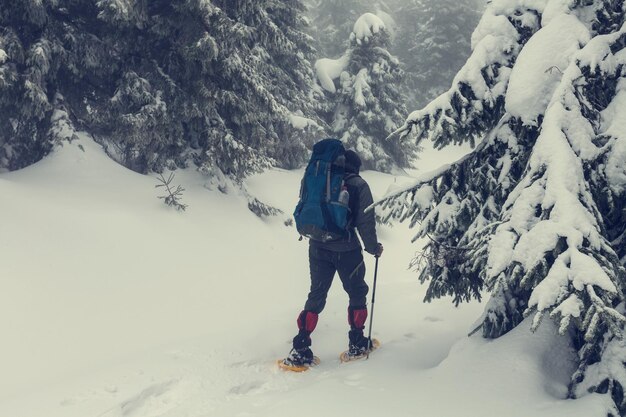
323	264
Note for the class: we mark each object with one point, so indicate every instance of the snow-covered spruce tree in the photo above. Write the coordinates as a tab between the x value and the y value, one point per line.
475	102
458	206
364	84
167	102
30	58
332	21
534	214
552	256
225	84
218	82
433	42
286	71
56	70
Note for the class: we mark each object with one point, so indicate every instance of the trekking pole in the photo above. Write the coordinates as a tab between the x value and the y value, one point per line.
372	314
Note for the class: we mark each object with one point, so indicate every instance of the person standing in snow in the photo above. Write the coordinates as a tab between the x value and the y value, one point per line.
344	256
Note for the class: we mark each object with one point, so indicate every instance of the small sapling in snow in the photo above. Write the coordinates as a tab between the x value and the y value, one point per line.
174	195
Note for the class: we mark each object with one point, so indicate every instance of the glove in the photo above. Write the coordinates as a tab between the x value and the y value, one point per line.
379	250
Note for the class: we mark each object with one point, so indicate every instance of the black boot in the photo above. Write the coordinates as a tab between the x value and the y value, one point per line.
359	344
301	354
302	357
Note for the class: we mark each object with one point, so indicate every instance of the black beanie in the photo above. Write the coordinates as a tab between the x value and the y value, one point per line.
353	162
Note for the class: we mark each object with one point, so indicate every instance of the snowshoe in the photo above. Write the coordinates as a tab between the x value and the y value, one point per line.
299	360
359	350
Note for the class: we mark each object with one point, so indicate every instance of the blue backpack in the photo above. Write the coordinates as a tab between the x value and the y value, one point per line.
322	211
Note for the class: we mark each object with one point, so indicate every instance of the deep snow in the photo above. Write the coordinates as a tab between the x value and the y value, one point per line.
113	305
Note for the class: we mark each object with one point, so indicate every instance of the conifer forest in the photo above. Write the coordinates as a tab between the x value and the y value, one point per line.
492	134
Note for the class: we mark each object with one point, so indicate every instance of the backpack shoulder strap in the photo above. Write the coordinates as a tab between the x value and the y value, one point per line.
350	175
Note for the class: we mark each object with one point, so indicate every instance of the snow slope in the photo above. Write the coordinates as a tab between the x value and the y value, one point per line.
114	305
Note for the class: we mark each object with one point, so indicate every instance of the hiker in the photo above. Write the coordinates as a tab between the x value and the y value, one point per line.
343	255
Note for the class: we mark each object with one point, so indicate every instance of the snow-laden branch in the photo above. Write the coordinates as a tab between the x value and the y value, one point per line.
475	102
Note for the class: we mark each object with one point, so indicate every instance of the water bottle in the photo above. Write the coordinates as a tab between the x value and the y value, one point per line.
344	196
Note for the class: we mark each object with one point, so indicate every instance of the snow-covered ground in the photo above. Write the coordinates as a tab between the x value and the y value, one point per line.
114	305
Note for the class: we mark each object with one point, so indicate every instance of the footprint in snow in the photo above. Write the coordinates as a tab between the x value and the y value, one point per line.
246	387
154	401
109	390
353	380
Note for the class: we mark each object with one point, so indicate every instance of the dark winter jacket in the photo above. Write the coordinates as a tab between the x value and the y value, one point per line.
365	223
